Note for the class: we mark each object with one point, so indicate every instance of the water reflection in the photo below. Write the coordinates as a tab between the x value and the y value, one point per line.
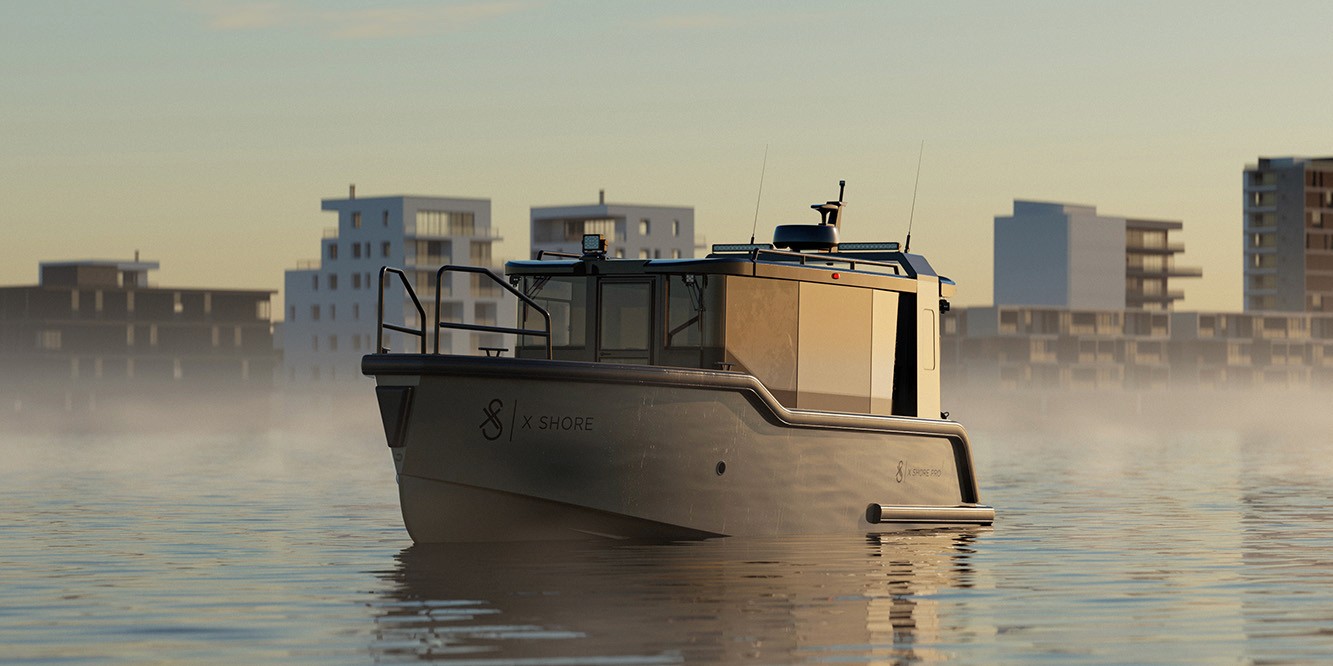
728	600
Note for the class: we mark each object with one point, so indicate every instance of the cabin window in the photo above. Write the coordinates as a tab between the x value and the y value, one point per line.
694	311
566	299
626	319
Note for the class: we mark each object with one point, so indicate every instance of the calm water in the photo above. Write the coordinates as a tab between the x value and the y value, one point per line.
1115	546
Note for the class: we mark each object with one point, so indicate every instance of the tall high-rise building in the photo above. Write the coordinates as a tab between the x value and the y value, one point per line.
632	231
331	302
1289	234
1069	256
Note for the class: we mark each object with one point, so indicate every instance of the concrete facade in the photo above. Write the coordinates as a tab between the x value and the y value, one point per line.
631	230
1056	348
1288	227
331	302
96	335
1069	256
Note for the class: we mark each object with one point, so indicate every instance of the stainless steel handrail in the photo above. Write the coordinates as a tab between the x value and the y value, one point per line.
379	312
439	280
806	257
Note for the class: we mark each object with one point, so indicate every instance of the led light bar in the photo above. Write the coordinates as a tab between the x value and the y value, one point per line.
860	247
741	247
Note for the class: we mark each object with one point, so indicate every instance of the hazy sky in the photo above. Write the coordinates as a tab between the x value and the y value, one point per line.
204	133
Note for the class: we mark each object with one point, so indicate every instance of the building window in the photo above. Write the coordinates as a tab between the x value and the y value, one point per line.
333	312
675	254
314	313
314	343
356	219
386	248
74	301
356	311
314	282
333	251
675	227
386	218
333	282
97	301
644	254
291	313
644	226
333	343
129	301
356	280
49	340
356	343
176	305
236	336
129	335
445	223
356	250
152	335
657	253
176	371
620	253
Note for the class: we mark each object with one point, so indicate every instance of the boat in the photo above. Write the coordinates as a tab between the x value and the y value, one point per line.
766	389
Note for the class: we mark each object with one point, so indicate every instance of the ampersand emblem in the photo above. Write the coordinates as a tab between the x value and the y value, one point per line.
899	476
491	428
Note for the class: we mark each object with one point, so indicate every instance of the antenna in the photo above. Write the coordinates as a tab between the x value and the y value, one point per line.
759	198
908	245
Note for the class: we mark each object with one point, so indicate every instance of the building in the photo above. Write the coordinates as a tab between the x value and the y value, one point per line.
331	302
1068	256
1288	210
1055	348
94	335
631	230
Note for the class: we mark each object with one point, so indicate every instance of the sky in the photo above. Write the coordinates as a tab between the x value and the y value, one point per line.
203	134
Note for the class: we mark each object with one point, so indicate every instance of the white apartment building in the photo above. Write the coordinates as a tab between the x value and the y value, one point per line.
1069	256
330	302
631	230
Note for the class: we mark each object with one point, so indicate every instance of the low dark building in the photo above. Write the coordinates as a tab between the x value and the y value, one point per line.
94	336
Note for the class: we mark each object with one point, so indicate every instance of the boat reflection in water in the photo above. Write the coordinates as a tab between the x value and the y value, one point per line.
879	597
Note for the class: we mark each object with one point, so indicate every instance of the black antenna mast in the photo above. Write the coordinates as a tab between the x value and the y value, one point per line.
908	245
759	198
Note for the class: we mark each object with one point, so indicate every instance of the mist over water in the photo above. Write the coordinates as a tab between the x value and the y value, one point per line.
1150	528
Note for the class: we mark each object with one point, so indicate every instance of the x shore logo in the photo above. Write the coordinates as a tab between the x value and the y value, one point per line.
492	428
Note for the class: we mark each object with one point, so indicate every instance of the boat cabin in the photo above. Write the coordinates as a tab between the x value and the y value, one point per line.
842	327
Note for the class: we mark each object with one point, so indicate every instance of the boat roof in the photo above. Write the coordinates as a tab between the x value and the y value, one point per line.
878	267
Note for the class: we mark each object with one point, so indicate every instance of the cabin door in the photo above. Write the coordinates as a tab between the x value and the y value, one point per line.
625	321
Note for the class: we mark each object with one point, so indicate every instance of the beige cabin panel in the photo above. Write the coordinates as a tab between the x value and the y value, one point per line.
883	345
927	350
833	371
761	332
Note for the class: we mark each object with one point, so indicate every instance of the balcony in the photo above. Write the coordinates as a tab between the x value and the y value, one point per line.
473	233
1164	271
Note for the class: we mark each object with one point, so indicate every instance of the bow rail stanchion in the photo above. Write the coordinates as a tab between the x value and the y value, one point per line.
419	332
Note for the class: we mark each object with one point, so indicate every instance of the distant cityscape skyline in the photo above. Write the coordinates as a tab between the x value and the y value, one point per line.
202	133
